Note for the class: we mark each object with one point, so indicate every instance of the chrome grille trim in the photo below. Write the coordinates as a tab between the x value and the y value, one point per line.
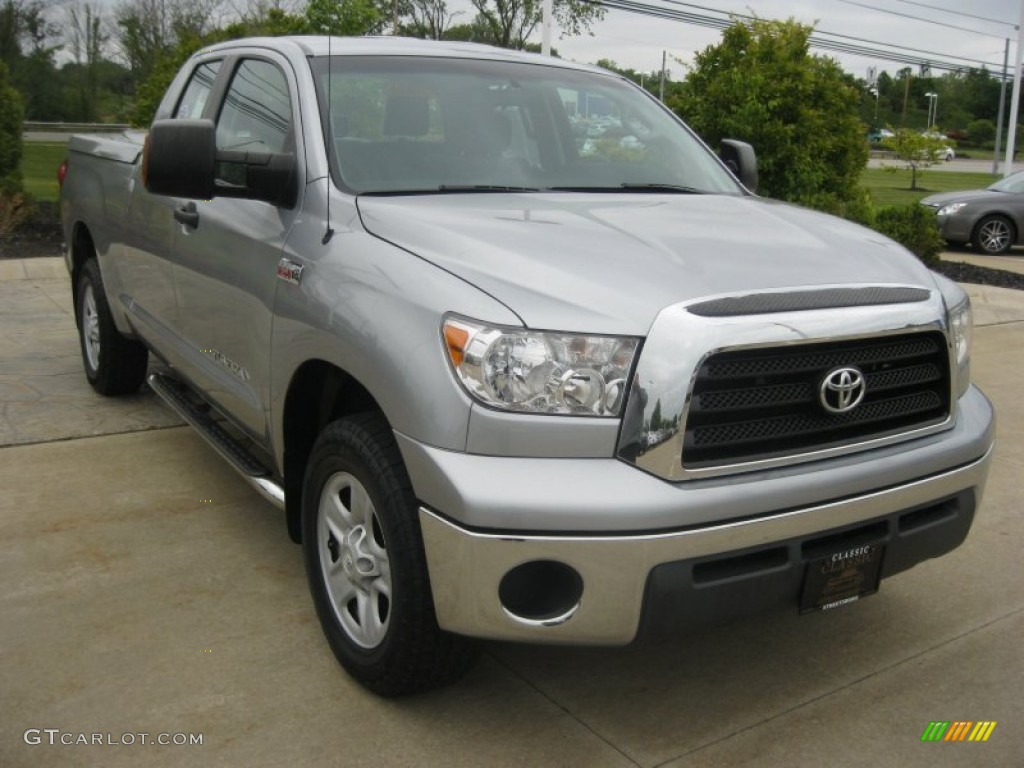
680	342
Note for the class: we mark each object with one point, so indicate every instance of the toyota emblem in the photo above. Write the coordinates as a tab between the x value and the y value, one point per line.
842	390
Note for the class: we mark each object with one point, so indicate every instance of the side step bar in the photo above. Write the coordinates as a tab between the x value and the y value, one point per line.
252	471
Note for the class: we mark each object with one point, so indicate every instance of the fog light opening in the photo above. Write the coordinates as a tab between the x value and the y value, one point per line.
542	593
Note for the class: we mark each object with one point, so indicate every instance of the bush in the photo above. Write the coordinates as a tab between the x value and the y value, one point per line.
981	132
912	226
15	208
800	111
11	115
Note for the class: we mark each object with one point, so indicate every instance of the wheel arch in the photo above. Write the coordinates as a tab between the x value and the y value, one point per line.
319	392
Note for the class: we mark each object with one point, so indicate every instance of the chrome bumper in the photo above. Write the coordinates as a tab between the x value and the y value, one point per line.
467	567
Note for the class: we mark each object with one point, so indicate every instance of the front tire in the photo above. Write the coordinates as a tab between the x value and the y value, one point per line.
366	566
114	364
994	235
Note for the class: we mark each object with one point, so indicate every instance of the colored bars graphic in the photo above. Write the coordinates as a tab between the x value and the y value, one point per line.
958	730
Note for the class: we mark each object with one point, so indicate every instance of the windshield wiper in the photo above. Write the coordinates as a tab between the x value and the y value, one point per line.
629	186
656	187
484	188
448	189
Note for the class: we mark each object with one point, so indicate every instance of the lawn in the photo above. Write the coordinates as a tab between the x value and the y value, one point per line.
40	161
39	164
893	187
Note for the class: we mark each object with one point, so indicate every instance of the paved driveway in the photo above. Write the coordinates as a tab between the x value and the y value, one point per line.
148	590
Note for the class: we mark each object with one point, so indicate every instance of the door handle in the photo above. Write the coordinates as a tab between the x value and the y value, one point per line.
187	215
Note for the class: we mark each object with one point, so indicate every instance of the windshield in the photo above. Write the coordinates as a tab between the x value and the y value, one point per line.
419	125
1014	184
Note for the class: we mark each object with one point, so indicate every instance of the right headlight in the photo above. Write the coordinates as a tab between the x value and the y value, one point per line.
515	369
961	326
949	210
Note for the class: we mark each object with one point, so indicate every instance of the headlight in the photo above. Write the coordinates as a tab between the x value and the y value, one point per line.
540	372
961	325
949	210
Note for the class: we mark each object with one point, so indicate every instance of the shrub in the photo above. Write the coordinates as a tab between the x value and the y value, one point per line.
981	132
912	226
11	115
800	111
15	208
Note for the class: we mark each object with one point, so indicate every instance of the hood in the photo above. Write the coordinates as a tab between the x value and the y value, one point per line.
608	263
964	196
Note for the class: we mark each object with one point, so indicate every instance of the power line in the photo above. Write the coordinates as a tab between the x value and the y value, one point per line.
921	18
958	13
844	44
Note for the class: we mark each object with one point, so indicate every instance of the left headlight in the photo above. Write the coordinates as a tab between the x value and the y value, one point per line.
516	369
949	210
961	326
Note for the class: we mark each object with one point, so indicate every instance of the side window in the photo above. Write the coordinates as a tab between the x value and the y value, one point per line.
257	112
197	91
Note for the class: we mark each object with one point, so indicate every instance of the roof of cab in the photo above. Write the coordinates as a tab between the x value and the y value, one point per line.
318	45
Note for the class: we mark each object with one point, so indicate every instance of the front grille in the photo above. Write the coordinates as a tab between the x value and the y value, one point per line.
764	403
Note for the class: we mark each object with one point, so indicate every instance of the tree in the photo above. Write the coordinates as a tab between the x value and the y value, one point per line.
431	18
351	17
510	22
86	39
916	151
800	111
28	40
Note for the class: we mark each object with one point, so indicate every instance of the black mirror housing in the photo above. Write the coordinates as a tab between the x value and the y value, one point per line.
741	159
181	159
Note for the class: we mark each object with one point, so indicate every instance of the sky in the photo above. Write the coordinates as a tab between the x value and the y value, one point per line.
637	41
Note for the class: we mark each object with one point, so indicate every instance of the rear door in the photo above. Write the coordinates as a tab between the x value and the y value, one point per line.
227	259
146	269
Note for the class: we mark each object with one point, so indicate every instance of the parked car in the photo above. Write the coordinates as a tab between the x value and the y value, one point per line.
503	387
879	134
991	219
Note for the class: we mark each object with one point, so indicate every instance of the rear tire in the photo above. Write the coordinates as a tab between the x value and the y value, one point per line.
366	565
114	364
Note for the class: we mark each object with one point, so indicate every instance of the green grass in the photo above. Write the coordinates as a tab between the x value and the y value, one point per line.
40	161
39	164
893	187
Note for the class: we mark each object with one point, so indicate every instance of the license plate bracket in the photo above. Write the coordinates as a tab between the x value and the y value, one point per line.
842	577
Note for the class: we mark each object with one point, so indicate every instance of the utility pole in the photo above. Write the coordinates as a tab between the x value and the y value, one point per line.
1011	137
545	40
906	95
661	90
1002	110
394	17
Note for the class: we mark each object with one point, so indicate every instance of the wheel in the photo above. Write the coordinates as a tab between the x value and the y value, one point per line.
994	235
114	365
366	566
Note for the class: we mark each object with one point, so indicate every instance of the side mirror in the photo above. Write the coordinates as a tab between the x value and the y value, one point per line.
181	159
740	158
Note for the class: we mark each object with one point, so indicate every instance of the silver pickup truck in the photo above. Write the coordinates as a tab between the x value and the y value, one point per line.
518	356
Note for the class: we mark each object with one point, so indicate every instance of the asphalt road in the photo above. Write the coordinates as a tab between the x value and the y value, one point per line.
148	590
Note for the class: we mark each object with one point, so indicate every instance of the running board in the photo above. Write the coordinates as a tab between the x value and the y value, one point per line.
252	471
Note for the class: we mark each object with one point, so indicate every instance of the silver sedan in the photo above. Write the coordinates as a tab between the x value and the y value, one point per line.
991	219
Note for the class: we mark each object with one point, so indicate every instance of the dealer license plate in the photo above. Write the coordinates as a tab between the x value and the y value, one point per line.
841	578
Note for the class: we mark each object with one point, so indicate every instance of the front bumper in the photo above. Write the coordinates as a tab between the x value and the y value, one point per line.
915	521
957	228
918	499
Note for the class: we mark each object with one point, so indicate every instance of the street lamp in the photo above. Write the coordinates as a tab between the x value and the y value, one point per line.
933	109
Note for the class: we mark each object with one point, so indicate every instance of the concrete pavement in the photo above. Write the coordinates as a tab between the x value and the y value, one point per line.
148	590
